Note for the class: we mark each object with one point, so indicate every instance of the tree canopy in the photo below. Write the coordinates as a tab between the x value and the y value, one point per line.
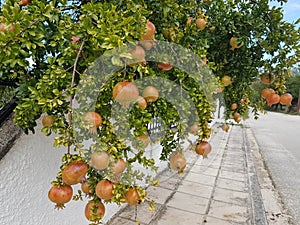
47	47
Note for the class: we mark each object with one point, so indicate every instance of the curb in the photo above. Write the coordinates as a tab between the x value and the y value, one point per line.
258	210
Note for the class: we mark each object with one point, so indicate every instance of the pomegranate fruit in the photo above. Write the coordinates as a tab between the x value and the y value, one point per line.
267	91
11	28
233	106
24	2
138	55
236	115
141	102
233	43
237	119
100	160
150	31
164	66
104	189
201	23
177	162
94	211
2	27
150	94
74	173
132	197
194	128
286	99
119	166
203	148
225	127
125	92
60	195
267	78
94	119
47	121
74	39
85	187
143	141
272	99
226	80
189	20
147	44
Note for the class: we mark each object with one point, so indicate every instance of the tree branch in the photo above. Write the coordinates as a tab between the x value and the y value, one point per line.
72	86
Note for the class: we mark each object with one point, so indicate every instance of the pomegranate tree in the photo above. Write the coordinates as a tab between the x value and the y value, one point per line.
66	79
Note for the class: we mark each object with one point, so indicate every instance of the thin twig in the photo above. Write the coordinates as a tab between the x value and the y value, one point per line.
71	96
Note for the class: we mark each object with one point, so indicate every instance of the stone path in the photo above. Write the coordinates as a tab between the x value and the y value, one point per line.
220	190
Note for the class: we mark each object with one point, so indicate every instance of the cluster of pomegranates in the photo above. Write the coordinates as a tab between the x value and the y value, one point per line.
75	173
273	98
270	95
146	43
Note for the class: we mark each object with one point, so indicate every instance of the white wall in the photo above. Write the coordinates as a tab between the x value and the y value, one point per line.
25	173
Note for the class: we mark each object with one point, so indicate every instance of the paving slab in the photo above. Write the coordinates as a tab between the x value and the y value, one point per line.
142	213
231	184
216	221
229	212
174	216
189	203
200	178
197	189
231	196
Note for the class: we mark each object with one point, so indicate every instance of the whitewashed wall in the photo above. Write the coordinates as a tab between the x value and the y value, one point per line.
26	172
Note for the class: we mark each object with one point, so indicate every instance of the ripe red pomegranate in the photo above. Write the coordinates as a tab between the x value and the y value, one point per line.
233	106
286	99
24	2
267	78
132	197
144	140
94	119
150	31
60	195
94	211
2	27
85	187
201	23
75	39
203	148
104	189
119	166
150	94
177	162
267	91
125	92
100	160
74	173
272	99
138	55
164	66
141	102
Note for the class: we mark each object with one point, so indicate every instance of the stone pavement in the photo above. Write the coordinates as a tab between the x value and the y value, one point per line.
220	190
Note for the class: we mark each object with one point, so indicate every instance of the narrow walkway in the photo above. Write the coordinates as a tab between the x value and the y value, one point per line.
213	191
